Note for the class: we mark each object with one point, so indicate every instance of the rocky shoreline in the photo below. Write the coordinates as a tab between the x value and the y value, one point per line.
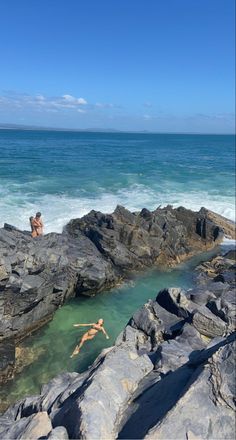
171	373
93	253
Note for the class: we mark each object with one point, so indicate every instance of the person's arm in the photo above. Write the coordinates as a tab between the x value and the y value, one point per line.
36	223
83	325
104	332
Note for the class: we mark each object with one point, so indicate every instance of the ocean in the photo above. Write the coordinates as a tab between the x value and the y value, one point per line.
65	175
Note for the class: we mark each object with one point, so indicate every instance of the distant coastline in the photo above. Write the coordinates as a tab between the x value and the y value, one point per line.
22	127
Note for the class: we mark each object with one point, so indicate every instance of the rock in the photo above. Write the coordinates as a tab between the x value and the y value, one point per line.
52	391
58	433
231	255
206	408
225	308
25	356
220	270
228	226
176	352
31	282
50	398
200	296
228	307
33	427
3	273
175	301
207	323
23	408
95	409
152	324
7	359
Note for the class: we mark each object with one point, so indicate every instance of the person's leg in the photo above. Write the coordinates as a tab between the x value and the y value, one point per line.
84	338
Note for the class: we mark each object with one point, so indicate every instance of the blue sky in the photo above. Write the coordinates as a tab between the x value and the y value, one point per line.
124	64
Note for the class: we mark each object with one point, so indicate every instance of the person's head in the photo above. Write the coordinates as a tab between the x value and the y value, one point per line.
38	214
100	321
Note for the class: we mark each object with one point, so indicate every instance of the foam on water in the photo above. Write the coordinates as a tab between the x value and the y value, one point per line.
57	210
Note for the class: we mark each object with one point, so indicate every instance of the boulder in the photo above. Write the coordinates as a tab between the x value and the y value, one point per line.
207	323
33	427
95	409
175	301
176	352
151	325
206	409
58	433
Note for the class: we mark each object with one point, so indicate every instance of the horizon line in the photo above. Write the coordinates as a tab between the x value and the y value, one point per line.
26	127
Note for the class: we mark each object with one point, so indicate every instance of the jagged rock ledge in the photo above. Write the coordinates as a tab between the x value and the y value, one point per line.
92	254
171	373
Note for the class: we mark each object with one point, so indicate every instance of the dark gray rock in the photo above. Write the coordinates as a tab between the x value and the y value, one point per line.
33	427
200	296
94	411
150	326
176	352
206	409
228	307
175	301
52	391
51	397
207	323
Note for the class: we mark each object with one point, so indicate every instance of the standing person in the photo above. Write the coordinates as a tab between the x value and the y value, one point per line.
95	328
37	223
33	230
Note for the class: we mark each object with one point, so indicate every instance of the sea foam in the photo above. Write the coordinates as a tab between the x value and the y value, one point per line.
57	210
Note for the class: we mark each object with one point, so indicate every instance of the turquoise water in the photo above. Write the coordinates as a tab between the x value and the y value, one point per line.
53	344
66	174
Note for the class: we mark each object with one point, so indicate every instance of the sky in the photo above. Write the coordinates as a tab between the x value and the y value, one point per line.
165	66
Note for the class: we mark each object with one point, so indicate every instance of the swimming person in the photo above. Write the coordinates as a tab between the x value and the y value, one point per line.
37	224
96	327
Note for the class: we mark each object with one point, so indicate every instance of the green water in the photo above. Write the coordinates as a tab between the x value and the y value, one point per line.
53	344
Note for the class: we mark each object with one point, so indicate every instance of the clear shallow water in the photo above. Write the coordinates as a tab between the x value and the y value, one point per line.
54	343
66	174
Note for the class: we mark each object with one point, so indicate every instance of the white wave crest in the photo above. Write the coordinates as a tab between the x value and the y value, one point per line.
57	210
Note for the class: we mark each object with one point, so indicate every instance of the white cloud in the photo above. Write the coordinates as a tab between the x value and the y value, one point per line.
40	102
73	100
80	110
40	98
81	101
104	105
68	98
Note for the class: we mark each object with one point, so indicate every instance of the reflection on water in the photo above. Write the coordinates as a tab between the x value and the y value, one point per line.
51	346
